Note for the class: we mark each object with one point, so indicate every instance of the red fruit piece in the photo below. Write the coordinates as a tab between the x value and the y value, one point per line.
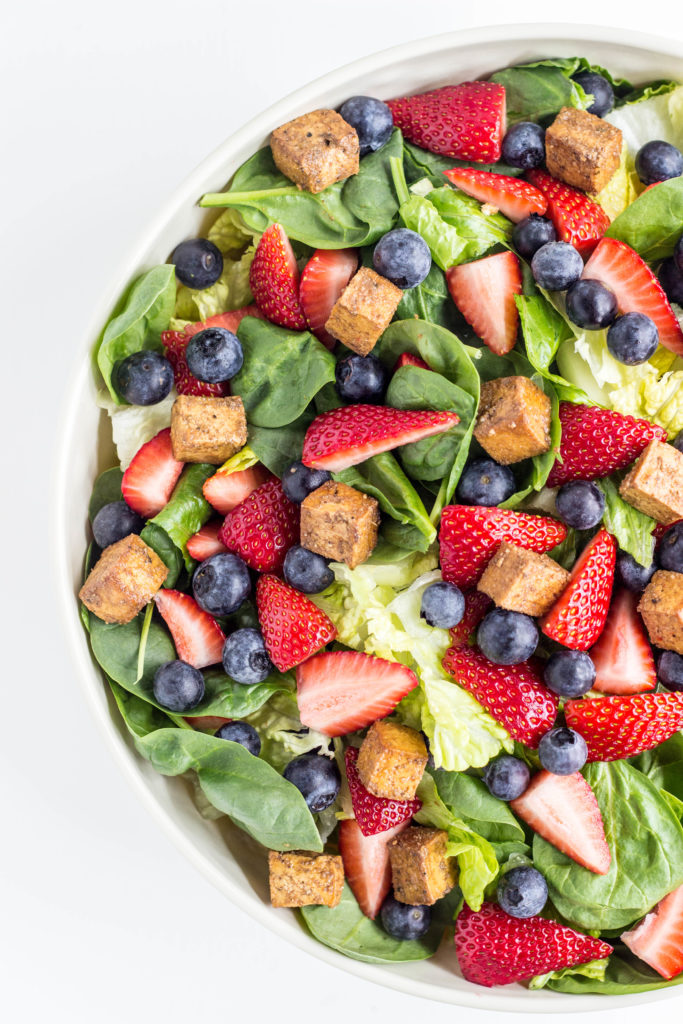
484	292
658	939
149	480
293	628
197	636
476	607
225	491
577	219
206	723
622	656
175	343
353	433
564	812
366	864
470	534
341	691
408	359
578	616
263	528
323	279
466	121
205	543
516	199
617	727
496	949
374	814
660	529
274	280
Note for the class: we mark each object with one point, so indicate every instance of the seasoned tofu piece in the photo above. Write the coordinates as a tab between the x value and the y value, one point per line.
363	311
207	429
582	149
392	760
513	422
316	149
124	579
654	484
662	609
523	581
340	523
421	873
301	879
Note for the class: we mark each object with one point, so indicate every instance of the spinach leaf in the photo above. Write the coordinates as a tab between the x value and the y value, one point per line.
470	800
228	699
441	350
140	717
625	975
277	447
538	90
664	765
477	230
632	529
106	488
430	301
186	512
419	163
418	214
544	329
653	223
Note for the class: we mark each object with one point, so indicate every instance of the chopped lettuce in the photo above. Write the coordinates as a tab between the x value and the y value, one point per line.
622	188
134	425
282	734
658	116
594	969
241	460
237	243
631	529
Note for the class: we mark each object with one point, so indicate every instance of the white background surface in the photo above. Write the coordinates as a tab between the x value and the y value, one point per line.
105	110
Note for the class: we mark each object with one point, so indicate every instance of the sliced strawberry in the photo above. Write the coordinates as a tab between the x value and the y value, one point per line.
341	691
578	616
351	434
577	219
470	534
323	279
408	359
476	607
658	939
274	280
514	695
149	480
366	864
496	949
637	289
175	343
262	528
197	637
466	121
374	814
225	490
622	656
484	292
229	321
564	812
293	628
516	199
618	727
596	442
205	543
206	723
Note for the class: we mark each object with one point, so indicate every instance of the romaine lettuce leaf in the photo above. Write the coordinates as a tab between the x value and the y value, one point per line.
658	116
594	969
631	529
134	425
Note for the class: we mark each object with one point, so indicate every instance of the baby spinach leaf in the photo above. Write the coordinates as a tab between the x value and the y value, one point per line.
544	329
625	975
471	801
430	301
228	699
106	488
631	528
538	90
441	350
277	447
418	164
116	646
186	512
653	223
141	718
664	765
479	231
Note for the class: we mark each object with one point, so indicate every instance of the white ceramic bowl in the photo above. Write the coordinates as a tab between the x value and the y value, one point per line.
220	851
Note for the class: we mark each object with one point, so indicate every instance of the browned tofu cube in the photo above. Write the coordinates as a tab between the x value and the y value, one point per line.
392	760
523	581
316	149
207	429
363	311
125	579
654	484
662	609
582	149
301	879
421	873
513	422
340	523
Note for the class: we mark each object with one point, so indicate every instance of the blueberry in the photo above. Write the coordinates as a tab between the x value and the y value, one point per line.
360	379
372	120
562	751
245	658
507	638
144	378
580	504
178	686
671	549
220	584
678	255
214	355
598	87
442	605
671	280
633	575
485	482
306	571
678	441
591	305
242	733
524	145
404	920
670	670
522	892
316	777
506	777
298	481
531	233
403	257
658	161
198	263
556	266
633	338
569	673
114	522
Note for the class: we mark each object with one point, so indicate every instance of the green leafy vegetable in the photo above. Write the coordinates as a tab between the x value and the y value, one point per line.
277	447
430	301
653	223
595	970
544	329
418	214
186	512
631	528
658	115
418	163
664	765
470	800
478	230
282	734
624	975
106	488
538	90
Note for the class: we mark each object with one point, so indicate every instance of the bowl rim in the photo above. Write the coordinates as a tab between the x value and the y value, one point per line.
186	192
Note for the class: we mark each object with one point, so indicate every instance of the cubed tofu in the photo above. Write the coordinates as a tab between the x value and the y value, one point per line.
421	873
124	579
654	484
340	523
662	609
513	422
363	311
316	149
207	429
392	760
582	149
523	581
302	879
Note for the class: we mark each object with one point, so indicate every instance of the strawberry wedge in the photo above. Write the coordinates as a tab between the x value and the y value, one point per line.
516	199
484	292
466	121
148	482
205	542
618	727
293	627
197	636
578	617
622	656
175	343
366	864
374	814
224	490
323	279
577	219
274	280
658	939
